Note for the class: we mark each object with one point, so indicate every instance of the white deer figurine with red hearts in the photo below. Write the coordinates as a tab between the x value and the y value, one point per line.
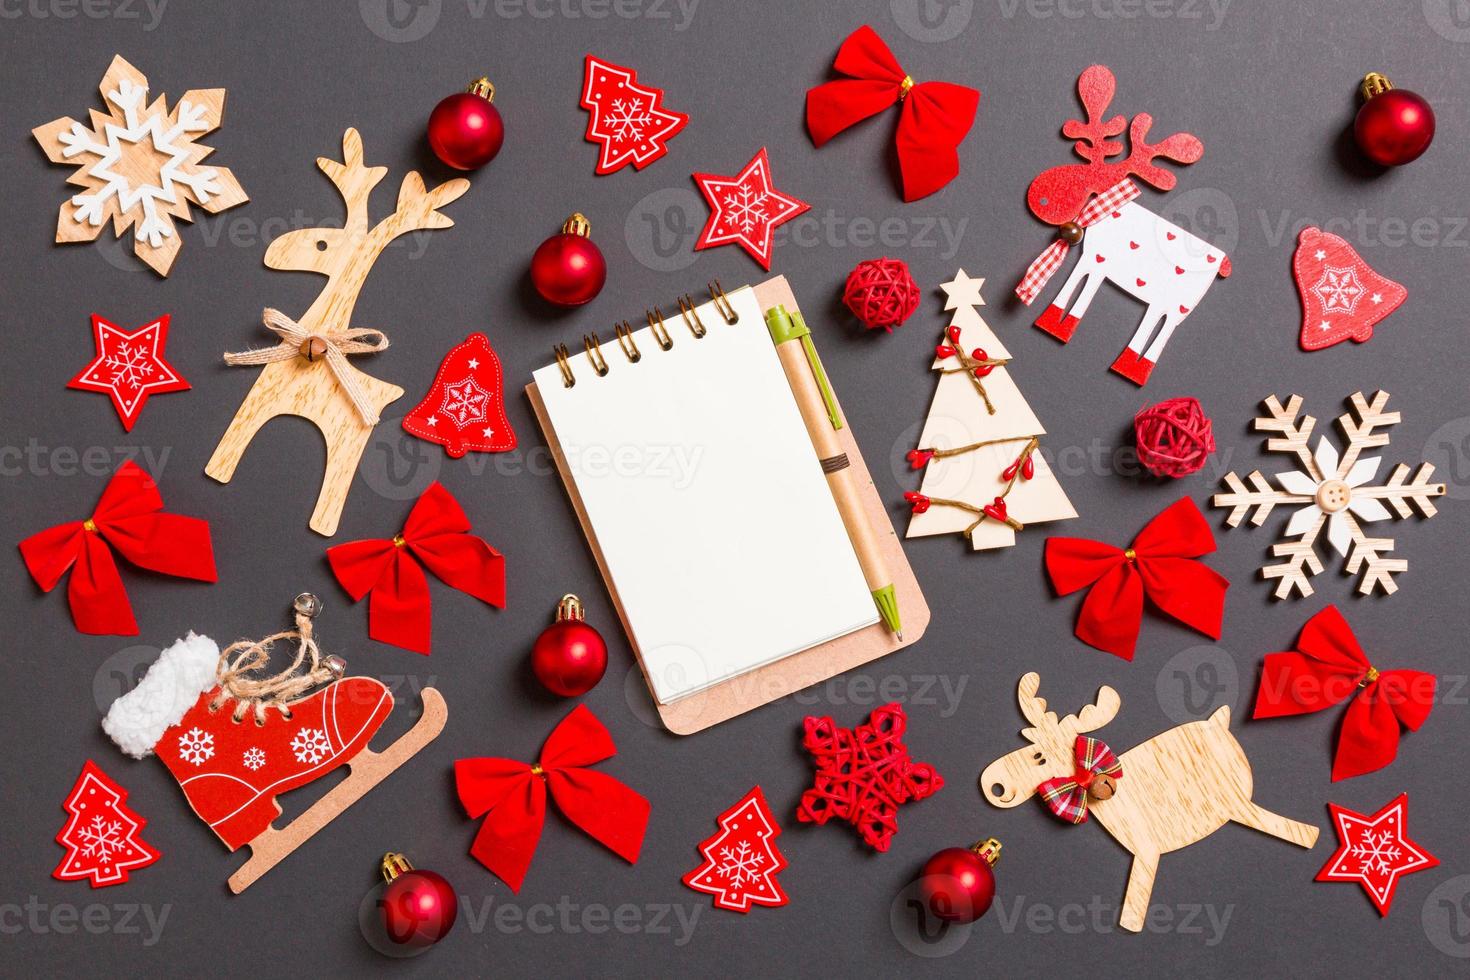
1093	203
1164	794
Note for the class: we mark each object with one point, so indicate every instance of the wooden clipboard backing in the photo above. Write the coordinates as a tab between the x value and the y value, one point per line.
790	674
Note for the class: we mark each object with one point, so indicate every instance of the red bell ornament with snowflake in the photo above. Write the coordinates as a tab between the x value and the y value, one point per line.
1342	296
465	407
568	268
465	129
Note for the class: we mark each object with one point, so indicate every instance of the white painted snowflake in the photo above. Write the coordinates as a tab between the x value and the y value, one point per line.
1332	491
1378	852
745	207
196	746
139	165
464	402
102	838
310	745
254	758
740	864
131	365
1339	289
628	119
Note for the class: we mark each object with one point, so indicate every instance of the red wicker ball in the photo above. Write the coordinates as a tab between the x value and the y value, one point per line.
1174	437
881	293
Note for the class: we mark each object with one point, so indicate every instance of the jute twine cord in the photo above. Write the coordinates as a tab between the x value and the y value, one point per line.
241	662
339	344
1031	446
968	364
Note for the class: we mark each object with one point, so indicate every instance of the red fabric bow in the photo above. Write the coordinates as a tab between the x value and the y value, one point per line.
437	535
1160	564
514	796
1328	667
130	518
1066	796
936	115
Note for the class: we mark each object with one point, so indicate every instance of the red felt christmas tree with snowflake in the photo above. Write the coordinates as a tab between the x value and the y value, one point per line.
465	407
741	861
102	837
629	121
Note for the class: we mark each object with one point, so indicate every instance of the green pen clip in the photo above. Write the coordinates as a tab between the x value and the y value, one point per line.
786	326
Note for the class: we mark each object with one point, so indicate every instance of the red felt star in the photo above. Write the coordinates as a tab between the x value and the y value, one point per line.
864	774
129	367
1375	851
629	122
745	208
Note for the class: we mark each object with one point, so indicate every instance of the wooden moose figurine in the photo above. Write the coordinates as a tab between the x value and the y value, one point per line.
307	373
1177	788
1092	203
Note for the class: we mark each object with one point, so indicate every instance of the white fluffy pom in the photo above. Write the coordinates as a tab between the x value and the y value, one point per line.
172	685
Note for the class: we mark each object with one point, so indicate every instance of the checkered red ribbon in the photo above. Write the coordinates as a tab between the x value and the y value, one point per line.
1066	796
1049	261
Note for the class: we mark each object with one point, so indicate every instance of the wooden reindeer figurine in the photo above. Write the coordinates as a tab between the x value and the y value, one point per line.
1177	788
307	373
1093	203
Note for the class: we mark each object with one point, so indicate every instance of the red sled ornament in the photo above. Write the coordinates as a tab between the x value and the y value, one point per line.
864	775
129	519
741	861
236	741
745	209
629	123
129	367
102	838
1375	851
465	407
1342	297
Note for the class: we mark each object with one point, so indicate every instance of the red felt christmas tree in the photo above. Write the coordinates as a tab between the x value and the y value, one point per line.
741	861
465	408
101	838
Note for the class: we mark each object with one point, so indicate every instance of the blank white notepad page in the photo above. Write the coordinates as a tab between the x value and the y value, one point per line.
706	497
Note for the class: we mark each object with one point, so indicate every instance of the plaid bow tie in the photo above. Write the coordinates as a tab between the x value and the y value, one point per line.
1066	796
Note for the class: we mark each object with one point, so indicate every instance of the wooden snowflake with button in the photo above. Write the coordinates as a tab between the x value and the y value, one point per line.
138	165
1333	493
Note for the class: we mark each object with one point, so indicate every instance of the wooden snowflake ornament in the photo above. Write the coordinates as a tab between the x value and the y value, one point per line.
138	165
1332	492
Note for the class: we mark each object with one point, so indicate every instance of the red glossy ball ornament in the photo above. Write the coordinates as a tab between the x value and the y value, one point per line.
1394	126
568	269
958	884
569	657
418	907
465	129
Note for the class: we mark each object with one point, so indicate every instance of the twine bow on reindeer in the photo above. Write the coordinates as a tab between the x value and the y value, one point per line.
332	345
1096	777
1049	261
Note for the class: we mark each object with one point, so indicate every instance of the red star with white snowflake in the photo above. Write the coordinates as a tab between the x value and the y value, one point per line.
129	367
745	209
629	122
1375	851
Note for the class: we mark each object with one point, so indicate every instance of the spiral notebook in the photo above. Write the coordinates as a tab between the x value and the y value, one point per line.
701	494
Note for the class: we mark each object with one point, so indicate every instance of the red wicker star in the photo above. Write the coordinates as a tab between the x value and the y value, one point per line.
864	774
129	367
1375	851
744	209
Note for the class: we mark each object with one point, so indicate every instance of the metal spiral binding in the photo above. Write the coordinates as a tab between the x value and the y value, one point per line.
656	326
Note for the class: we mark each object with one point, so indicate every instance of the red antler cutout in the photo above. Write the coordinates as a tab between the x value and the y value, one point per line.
1057	195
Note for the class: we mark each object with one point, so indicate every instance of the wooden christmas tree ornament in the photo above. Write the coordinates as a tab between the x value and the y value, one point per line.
983	474
1173	790
1332	492
138	165
307	373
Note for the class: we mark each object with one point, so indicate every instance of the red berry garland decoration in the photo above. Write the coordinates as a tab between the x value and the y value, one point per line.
465	129
568	269
1393	126
881	293
569	657
958	883
1174	437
